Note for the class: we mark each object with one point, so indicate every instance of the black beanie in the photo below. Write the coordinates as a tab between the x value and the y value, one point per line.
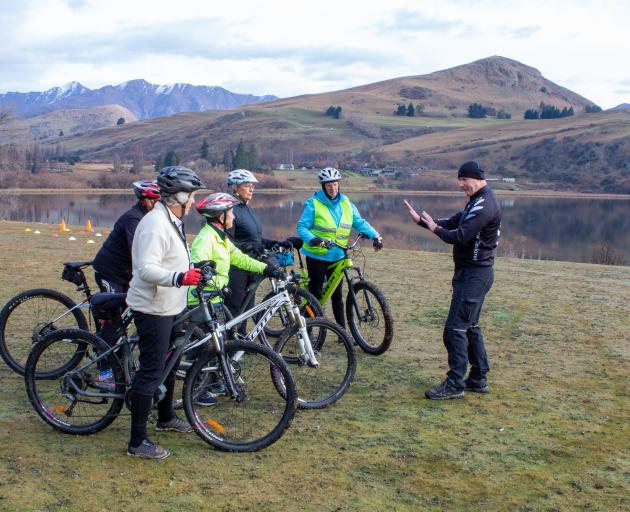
471	169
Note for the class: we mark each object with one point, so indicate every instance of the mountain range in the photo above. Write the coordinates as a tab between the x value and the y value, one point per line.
143	99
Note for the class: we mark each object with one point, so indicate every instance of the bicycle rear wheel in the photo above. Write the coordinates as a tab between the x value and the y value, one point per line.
31	315
322	386
309	306
62	382
255	419
371	322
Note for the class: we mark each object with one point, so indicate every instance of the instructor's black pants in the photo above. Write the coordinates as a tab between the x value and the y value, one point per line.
317	272
462	335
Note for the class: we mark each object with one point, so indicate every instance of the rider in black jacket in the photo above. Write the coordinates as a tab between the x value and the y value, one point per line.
112	264
474	234
246	233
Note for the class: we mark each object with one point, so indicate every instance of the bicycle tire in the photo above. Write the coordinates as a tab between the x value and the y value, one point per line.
334	350
382	336
254	423
310	307
26	319
49	394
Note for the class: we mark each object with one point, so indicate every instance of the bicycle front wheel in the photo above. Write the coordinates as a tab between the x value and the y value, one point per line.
322	385
259	415
67	385
369	318
309	306
31	315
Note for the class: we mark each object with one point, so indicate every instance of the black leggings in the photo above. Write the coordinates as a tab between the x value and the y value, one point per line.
317	271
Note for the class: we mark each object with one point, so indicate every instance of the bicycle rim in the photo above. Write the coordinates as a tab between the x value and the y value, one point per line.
321	386
260	415
74	400
31	315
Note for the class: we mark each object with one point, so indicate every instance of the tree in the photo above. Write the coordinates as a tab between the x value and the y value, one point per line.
411	110
531	113
502	114
254	159
159	163
171	158
60	133
241	158
138	160
228	160
330	111
203	152
477	111
337	113
401	110
592	109
121	120
419	109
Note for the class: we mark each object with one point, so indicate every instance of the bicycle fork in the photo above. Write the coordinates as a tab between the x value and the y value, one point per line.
305	347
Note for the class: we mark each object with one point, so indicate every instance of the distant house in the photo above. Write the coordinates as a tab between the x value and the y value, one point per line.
369	171
388	172
286	167
509	180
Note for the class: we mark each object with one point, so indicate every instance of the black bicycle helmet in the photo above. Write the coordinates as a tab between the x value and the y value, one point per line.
175	179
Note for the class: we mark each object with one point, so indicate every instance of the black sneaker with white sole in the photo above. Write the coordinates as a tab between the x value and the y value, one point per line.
476	386
443	391
175	424
148	450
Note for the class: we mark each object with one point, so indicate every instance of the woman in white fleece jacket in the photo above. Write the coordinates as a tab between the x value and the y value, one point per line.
157	293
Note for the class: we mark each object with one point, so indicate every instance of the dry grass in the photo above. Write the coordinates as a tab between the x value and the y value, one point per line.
552	435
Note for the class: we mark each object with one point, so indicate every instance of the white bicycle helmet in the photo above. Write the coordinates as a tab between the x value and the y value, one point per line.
329	174
238	176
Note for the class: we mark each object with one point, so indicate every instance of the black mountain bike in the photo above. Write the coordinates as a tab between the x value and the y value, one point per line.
32	314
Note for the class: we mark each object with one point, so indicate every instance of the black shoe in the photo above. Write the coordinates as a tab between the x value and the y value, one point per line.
443	391
477	386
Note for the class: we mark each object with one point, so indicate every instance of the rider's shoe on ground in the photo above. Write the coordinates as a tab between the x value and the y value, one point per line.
476	386
105	380
217	389
443	391
206	399
175	424
148	450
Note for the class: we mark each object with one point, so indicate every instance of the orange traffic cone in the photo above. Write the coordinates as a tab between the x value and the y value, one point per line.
89	226
62	225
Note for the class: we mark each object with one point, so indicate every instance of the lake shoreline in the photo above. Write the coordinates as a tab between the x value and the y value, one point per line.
349	190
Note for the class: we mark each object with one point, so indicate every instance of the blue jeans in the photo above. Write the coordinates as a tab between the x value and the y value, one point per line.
462	335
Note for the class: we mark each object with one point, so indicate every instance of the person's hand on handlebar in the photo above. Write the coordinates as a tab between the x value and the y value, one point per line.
377	243
189	278
272	270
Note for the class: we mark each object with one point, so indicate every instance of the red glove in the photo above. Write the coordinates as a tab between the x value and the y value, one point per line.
189	278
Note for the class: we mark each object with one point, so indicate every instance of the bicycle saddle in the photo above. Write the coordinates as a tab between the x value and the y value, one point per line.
77	265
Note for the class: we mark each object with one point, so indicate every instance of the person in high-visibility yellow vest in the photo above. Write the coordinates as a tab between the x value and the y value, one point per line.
330	215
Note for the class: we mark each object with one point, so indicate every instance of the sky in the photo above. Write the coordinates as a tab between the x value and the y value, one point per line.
288	48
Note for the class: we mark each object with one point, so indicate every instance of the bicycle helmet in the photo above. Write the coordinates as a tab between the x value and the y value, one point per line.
238	176
146	188
215	204
329	174
175	179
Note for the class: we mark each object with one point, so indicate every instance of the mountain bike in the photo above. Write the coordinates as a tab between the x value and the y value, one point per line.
367	310
258	405
32	314
319	352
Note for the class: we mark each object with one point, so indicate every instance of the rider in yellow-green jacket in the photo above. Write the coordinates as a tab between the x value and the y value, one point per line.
212	243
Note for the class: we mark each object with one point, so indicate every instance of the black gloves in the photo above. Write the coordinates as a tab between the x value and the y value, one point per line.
316	242
272	270
377	243
295	241
285	244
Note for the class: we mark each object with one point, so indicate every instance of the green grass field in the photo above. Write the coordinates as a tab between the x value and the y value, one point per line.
553	434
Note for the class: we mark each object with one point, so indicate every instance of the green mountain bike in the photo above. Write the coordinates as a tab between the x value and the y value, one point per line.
369	316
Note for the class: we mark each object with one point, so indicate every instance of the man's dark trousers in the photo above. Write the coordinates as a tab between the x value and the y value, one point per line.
462	335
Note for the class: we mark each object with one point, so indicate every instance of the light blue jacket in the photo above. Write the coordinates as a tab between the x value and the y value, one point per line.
305	224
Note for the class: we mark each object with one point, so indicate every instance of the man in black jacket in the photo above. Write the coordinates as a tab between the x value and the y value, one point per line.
112	263
474	234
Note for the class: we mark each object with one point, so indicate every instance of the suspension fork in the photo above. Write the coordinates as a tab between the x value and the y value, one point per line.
355	303
305	346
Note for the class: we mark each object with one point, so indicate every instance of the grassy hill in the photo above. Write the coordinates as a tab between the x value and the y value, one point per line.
441	137
552	434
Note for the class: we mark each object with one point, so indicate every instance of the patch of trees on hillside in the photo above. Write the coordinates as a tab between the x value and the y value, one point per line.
545	111
334	111
242	158
409	110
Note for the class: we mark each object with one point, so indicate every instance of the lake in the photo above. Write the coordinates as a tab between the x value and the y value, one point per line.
566	229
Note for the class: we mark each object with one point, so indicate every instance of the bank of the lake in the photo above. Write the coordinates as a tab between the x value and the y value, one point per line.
551	435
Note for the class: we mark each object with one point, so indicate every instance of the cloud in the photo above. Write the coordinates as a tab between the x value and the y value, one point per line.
404	20
524	32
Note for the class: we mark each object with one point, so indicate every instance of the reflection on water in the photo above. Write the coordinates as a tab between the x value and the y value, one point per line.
545	228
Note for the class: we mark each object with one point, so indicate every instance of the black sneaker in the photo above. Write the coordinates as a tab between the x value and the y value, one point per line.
148	450
477	386
443	391
175	424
